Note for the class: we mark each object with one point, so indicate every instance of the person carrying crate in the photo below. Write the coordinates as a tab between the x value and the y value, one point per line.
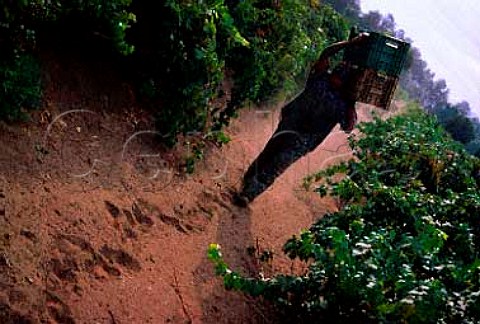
304	123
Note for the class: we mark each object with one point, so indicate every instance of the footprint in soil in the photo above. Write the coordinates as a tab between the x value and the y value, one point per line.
133	217
112	209
78	255
121	257
136	215
140	216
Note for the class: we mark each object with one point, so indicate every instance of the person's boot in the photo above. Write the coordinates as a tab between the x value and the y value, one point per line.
238	199
250	190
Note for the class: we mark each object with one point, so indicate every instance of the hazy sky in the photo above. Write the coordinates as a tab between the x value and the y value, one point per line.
447	32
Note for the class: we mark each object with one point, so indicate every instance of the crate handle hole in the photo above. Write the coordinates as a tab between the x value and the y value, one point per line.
392	45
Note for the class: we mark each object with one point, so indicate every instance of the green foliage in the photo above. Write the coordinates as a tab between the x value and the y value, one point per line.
188	55
20	22
285	37
20	87
22	19
218	137
473	147
15	32
405	248
194	154
110	18
349	8
184	49
117	19
456	123
192	44
267	46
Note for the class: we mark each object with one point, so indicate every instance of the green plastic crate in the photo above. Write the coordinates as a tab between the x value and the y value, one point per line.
384	54
371	87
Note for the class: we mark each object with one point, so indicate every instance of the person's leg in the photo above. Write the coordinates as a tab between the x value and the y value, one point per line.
282	150
347	123
305	123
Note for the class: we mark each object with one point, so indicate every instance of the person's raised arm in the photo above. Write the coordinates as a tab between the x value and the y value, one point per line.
323	61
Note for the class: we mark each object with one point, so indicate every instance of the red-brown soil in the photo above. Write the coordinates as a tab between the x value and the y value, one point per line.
98	223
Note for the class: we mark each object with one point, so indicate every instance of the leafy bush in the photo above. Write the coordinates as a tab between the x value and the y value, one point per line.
474	147
285	37
15	32
20	22
184	58
405	247
456	123
184	49
20	87
113	16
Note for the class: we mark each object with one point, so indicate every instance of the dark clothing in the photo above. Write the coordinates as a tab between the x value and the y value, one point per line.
305	122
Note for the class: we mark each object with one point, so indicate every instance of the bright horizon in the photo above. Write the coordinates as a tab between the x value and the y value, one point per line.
446	32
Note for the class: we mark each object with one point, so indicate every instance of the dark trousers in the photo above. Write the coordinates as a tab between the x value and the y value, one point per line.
303	126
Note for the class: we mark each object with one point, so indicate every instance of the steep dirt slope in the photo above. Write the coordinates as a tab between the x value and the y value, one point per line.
98	226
